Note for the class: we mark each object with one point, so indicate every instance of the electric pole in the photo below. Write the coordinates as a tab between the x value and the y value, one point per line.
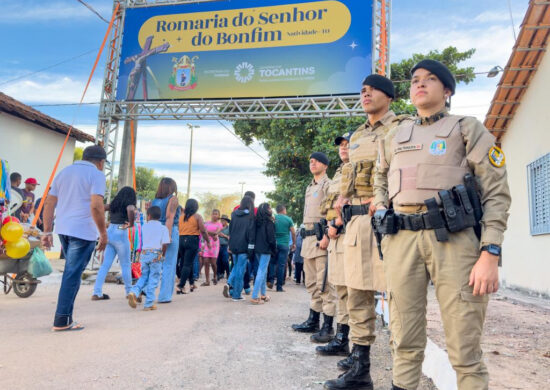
242	183
191	127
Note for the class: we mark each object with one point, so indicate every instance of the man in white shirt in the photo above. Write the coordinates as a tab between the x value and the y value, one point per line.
76	196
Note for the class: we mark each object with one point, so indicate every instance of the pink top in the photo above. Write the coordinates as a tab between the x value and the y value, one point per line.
214	249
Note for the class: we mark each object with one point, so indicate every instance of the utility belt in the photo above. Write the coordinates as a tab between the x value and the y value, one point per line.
349	211
460	209
306	233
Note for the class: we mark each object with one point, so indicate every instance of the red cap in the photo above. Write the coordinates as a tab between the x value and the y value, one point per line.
31	180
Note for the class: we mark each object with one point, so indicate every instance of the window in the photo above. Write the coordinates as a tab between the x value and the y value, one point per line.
538	176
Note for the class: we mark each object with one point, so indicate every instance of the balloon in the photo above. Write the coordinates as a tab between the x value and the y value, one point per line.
9	219
12	231
18	249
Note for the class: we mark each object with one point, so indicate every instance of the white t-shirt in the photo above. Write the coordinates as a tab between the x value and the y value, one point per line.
74	187
153	235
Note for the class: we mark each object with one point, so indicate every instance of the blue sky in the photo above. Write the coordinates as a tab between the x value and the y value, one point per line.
37	34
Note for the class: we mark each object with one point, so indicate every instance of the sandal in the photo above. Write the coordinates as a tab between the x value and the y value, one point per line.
100	298
214	281
192	288
149	308
74	326
256	301
265	298
205	284
180	291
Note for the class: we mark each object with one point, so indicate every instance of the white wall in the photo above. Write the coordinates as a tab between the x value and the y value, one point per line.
32	150
526	258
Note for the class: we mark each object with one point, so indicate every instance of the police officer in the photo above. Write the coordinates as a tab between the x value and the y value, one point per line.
419	158
364	272
314	252
336	276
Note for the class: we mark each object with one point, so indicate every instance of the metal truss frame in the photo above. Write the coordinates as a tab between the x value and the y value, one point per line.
111	111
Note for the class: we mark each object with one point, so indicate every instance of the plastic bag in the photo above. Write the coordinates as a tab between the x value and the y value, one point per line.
136	270
39	264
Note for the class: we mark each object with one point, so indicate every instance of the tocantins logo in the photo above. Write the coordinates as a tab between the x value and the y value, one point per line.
244	72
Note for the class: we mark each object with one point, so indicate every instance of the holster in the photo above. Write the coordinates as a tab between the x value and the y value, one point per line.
457	210
475	200
320	229
385	221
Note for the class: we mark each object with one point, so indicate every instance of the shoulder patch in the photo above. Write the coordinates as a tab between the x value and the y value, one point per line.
496	157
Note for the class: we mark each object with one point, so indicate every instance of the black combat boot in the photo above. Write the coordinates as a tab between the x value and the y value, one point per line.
338	345
358	376
326	333
311	325
394	387
345	364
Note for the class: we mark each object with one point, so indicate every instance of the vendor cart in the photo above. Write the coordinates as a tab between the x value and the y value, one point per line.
14	274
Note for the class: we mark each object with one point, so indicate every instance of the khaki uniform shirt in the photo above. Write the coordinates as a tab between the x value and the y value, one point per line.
315	194
363	268
336	274
492	180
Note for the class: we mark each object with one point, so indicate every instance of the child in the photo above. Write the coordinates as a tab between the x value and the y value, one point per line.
155	240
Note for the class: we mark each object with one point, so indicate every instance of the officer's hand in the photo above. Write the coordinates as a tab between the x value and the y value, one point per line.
323	244
369	200
372	209
484	275
338	221
332	233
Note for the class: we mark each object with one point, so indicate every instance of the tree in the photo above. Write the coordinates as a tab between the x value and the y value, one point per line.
209	201
289	143
146	182
77	155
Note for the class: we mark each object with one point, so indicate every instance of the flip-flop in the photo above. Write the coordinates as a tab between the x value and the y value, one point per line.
74	326
103	297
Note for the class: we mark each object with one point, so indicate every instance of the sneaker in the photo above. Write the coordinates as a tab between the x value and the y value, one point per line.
269	285
132	300
237	299
100	298
280	290
226	291
247	291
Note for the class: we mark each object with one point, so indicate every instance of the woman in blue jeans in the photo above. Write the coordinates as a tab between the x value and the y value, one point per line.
166	198
122	212
242	232
265	246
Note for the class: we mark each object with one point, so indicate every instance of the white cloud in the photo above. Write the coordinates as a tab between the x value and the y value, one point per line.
53	88
42	11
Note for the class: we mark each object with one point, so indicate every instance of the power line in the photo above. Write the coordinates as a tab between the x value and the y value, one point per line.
93	10
47	67
236	136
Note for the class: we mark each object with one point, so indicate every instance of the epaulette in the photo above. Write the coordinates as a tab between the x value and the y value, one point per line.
402	117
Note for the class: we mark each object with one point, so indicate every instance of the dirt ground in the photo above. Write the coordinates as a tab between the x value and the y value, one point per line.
199	341
516	340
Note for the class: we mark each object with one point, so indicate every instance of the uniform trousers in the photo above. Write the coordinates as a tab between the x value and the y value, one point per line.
322	302
342	316
362	316
411	260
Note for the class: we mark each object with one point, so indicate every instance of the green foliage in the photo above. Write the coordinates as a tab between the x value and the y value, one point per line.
450	56
225	203
290	142
146	182
77	155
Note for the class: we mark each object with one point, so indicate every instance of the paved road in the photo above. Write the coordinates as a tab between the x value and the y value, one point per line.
199	341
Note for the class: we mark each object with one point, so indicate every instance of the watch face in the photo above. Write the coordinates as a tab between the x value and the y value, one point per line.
493	249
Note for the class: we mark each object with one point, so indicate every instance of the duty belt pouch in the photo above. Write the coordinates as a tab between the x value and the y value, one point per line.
346	214
386	222
436	220
455	216
318	231
303	233
461	194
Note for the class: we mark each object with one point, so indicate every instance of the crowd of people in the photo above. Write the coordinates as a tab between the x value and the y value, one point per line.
400	177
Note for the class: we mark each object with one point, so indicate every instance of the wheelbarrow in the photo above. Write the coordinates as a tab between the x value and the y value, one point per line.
14	274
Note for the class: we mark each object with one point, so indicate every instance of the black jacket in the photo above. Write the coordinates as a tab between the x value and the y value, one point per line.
265	238
242	232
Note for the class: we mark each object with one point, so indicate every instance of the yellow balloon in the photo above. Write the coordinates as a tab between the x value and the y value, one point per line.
18	249
12	231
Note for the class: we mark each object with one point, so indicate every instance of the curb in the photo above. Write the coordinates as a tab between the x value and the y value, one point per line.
438	368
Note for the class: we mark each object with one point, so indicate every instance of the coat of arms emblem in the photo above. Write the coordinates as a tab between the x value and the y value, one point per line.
183	73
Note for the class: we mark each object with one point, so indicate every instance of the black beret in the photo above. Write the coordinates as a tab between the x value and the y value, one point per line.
346	136
320	156
382	83
94	152
441	71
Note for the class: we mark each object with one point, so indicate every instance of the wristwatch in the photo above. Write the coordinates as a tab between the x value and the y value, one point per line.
492	249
